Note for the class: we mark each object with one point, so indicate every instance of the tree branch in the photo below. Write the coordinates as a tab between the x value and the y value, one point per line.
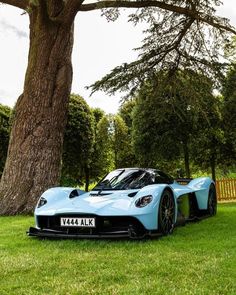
23	4
216	25
192	13
133	4
71	9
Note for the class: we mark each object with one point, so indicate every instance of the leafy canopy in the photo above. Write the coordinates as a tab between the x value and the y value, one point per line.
186	35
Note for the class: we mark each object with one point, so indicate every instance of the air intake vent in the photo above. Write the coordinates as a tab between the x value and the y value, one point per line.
131	195
74	194
99	194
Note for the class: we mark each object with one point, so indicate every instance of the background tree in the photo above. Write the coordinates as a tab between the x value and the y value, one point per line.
209	137
174	41
98	167
121	143
98	114
78	141
112	148
167	117
177	33
153	128
229	116
103	155
5	113
126	112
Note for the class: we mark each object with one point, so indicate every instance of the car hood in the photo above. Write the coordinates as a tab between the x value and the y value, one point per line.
106	203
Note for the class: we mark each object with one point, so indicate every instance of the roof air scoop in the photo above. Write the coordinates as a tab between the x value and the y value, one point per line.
74	194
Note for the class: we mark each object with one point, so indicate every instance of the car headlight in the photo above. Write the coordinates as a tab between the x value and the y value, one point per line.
42	201
143	201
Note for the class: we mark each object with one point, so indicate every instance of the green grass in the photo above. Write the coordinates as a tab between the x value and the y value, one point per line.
199	258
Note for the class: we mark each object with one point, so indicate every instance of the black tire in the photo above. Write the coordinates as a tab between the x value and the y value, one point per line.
166	213
212	201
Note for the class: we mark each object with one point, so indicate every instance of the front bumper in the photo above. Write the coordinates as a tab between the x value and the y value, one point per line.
106	227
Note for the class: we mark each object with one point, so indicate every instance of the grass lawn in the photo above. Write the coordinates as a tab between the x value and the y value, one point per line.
199	258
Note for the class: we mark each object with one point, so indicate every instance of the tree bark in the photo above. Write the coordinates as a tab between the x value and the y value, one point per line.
35	148
87	172
213	166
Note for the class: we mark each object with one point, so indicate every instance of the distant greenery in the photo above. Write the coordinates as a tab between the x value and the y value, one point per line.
168	115
5	113
78	142
176	125
229	115
179	125
199	258
94	143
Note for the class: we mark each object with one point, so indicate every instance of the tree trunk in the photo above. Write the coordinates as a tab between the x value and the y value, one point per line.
186	159
34	154
87	179
213	166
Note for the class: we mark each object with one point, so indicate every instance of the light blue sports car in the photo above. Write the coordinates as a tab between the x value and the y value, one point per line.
129	202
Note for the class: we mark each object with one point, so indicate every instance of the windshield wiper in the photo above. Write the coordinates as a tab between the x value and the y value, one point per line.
114	178
106	183
102	185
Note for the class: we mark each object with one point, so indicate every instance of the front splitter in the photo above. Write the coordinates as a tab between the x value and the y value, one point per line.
48	233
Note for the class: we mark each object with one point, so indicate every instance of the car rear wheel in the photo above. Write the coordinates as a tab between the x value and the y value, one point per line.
212	201
166	213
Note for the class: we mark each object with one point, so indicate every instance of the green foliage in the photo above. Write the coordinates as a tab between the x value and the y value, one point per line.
156	129
121	143
207	143
199	258
103	156
112	148
230	50
167	117
126	112
229	116
98	114
67	181
78	140
5	113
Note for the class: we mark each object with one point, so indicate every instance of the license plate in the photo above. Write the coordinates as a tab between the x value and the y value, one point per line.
77	222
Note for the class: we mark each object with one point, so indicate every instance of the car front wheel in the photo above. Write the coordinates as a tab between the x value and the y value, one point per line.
166	213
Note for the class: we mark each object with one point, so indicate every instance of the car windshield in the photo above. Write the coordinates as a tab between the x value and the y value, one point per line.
124	179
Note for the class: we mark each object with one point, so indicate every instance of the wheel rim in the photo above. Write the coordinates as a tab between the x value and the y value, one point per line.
167	213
